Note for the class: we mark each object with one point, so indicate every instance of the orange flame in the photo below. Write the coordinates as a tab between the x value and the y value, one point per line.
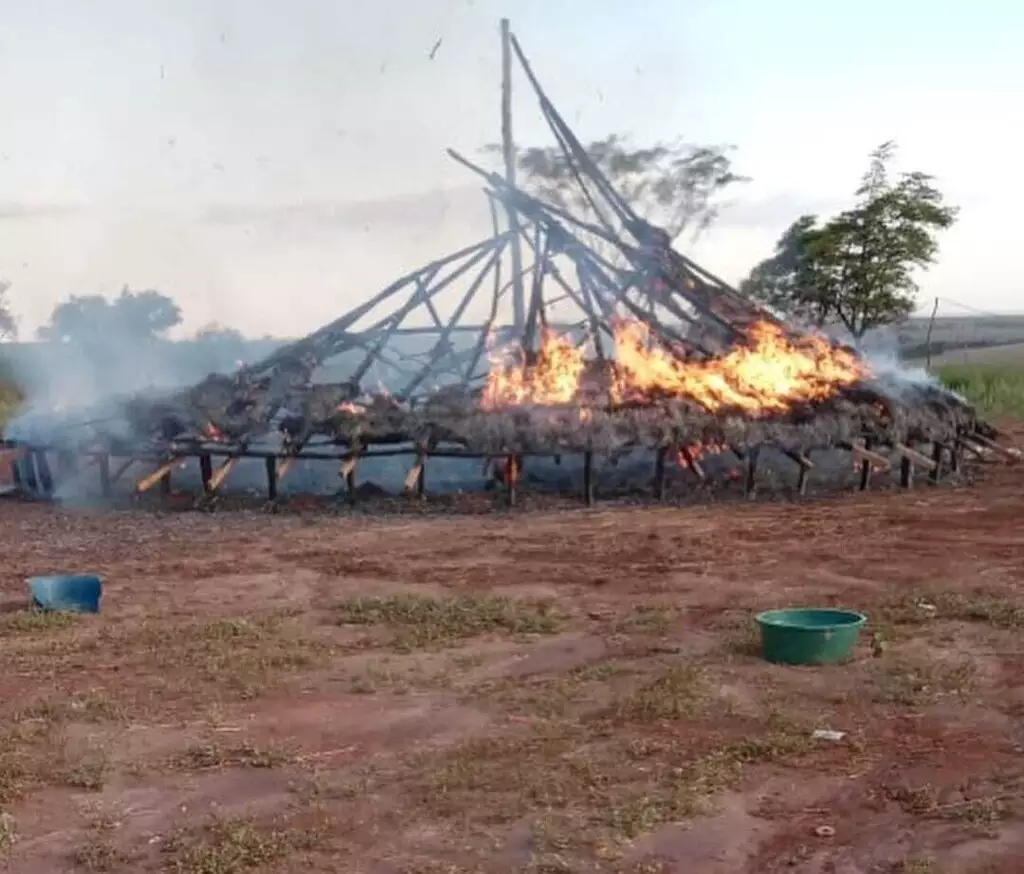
770	373
553	377
212	432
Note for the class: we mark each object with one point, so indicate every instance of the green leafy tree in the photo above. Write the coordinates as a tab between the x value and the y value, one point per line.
858	269
785	282
8	327
673	185
133	316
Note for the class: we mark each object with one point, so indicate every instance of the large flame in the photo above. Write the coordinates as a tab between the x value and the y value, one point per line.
769	373
552	377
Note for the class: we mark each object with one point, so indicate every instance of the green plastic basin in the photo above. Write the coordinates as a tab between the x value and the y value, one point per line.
809	636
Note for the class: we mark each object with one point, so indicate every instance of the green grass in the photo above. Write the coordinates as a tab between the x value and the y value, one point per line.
10	394
996	389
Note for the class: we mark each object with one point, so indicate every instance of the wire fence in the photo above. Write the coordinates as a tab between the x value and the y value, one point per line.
955	332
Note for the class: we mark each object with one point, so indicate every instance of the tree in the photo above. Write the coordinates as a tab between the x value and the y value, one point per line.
132	316
784	282
8	327
672	185
858	268
214	332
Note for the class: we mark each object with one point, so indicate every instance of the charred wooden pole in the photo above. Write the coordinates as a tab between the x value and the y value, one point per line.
206	471
104	471
271	466
659	473
160	475
221	474
31	480
690	460
122	470
906	472
511	478
45	475
588	478
866	467
67	465
806	465
508	149
750	484
348	471
909	458
938	450
415	480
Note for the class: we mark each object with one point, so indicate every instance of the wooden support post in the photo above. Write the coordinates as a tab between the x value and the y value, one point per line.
660	474
67	465
221	474
165	482
16	463
44	473
935	474
104	467
511	479
686	454
271	464
750	486
31	477
956	456
588	478
869	462
508	149
415	480
147	482
914	456
206	471
1007	455
121	470
348	473
906	472
806	465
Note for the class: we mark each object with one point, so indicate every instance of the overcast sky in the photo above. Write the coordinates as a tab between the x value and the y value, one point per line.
268	163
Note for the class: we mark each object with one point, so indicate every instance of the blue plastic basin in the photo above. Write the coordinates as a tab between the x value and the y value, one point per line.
73	593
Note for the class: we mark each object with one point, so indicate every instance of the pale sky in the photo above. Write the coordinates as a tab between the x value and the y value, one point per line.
269	164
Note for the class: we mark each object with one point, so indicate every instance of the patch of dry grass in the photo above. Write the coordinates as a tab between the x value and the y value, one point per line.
418	621
233	846
98	852
646	758
214	756
34	621
922	607
911	680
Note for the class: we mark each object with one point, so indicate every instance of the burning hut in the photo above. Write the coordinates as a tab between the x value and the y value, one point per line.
602	355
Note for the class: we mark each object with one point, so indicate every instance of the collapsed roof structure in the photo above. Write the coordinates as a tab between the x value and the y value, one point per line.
615	346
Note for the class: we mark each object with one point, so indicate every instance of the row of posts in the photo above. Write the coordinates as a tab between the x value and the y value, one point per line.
31	475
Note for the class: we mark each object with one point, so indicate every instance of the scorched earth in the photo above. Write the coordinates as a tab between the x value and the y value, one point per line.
536	692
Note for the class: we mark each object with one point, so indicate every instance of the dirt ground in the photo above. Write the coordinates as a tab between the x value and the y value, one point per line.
534	692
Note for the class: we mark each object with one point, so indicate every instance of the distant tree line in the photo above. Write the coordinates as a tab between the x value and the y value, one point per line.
132	316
